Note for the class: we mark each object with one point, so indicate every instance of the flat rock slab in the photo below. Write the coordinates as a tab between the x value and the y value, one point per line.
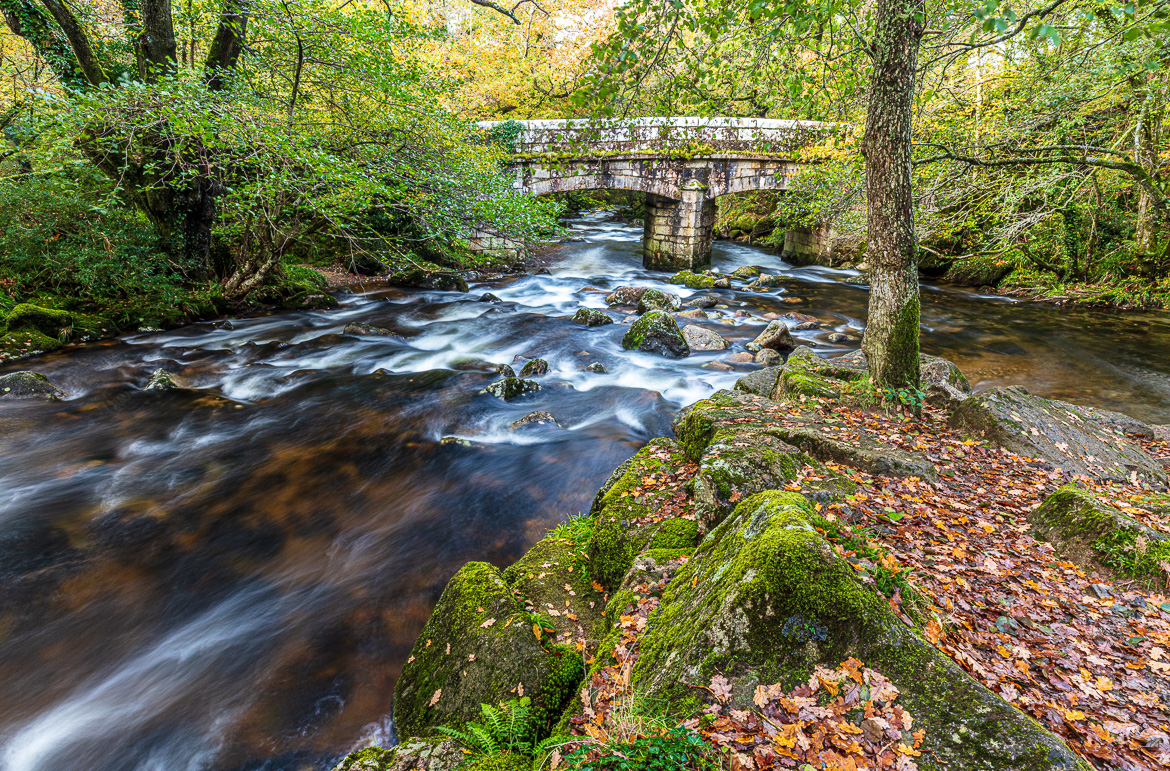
1088	530
1075	439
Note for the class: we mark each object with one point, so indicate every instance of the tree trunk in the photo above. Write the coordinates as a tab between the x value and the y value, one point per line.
892	324
1145	153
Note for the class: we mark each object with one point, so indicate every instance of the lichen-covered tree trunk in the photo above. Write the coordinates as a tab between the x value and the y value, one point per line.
891	333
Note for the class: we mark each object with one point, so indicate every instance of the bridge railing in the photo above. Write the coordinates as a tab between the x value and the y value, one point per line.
653	136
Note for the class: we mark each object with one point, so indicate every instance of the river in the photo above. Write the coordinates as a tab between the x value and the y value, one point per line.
232	578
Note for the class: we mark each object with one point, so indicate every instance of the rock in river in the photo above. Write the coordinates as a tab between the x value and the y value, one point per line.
591	317
700	339
161	380
511	387
625	295
776	337
534	367
657	300
656	332
367	330
537	418
28	385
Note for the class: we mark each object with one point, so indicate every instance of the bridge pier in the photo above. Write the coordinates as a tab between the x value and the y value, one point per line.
678	234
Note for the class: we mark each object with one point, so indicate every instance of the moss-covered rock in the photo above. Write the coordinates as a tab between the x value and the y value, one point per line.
424	278
28	385
625	295
51	323
944	384
656	332
693	280
591	317
983	270
367	330
479	647
553	579
766	599
310	299
509	388
657	300
414	755
18	345
500	761
1089	531
762	382
161	380
534	368
534	419
747	272
1073	438
623	514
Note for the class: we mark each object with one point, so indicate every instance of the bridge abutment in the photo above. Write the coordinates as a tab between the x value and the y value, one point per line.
678	233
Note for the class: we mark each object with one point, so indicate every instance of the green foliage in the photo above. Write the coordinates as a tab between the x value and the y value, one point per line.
910	397
678	748
577	530
506	727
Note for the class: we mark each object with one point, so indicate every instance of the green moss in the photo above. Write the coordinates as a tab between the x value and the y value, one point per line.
696	430
692	280
617	536
87	327
46	321
676	533
501	761
15	345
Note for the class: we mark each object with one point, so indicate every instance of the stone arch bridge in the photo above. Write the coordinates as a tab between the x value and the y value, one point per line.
681	164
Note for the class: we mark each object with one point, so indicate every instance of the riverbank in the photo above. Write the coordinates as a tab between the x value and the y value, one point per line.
804	576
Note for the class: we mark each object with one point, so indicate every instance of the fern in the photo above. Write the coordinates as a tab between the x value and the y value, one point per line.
505	728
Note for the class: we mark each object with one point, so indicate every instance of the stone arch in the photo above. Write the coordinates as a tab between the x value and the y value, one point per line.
601	181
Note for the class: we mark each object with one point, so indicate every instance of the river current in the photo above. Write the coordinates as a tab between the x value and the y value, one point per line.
231	578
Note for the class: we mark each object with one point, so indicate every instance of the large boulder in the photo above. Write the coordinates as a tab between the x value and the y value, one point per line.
657	300
1073	438
46	321
591	317
624	513
28	385
775	336
656	332
1092	532
625	295
478	645
422	278
534	368
766	599
700	339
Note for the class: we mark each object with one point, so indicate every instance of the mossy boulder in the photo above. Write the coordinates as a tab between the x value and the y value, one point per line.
945	384
509	388
423	278
762	382
534	368
479	647
625	295
766	599
310	299
28	385
438	754
775	336
657	300
746	272
984	270
701	339
1088	530
591	317
500	761
624	522
1073	438
51	323
18	345
553	580
693	280
656	332
766	281
534	419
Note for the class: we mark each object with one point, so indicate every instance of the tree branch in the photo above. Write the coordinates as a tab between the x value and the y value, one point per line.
78	41
228	43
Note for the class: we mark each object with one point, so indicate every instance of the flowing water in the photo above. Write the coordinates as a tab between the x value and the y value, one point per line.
232	578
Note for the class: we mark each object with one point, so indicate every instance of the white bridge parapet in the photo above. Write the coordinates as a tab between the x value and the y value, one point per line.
665	136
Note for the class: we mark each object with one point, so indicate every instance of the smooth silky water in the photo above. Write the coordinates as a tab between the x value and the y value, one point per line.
231	579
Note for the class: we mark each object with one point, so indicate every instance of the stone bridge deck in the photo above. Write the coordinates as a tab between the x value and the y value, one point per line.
681	164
